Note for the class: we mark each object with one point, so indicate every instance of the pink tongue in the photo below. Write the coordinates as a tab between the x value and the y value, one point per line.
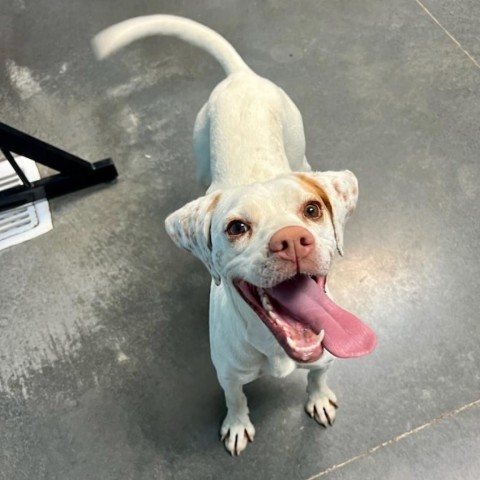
303	299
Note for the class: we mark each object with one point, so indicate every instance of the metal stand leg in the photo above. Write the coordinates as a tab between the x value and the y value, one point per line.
74	173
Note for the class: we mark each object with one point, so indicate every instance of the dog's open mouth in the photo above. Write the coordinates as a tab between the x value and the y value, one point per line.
304	320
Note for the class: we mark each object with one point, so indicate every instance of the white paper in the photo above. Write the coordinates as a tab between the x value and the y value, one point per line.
28	221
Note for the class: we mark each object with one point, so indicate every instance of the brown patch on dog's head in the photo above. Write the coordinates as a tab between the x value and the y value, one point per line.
316	189
339	193
214	202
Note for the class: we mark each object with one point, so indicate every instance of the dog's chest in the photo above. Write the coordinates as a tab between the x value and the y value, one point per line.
279	365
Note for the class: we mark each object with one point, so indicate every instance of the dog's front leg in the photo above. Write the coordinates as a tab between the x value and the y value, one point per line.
322	402
236	430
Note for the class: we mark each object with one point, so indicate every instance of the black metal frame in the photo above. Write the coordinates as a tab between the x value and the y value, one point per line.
74	173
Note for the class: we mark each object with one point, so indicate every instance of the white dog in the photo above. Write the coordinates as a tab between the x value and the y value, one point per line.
267	230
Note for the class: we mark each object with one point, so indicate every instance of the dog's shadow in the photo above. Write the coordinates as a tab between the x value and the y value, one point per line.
171	394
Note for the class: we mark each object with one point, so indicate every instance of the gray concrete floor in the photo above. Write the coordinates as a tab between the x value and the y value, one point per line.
104	357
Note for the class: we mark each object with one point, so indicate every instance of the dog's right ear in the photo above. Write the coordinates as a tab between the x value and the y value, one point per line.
190	228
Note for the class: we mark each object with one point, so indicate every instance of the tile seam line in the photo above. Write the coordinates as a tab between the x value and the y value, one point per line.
402	436
454	40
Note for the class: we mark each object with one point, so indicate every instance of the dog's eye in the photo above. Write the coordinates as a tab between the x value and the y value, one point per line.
236	228
312	210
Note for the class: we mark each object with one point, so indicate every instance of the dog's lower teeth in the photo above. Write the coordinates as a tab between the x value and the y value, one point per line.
291	343
321	335
272	316
306	349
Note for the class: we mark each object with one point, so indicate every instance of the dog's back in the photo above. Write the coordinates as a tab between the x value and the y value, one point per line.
249	130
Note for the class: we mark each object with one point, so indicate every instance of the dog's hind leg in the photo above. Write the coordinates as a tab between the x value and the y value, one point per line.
236	430
201	146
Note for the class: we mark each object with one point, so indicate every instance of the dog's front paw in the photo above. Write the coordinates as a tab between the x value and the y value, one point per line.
236	433
322	406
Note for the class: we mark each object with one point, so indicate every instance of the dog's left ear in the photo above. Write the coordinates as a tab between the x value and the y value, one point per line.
340	193
190	228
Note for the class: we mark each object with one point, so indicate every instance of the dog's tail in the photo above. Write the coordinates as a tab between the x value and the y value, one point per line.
117	36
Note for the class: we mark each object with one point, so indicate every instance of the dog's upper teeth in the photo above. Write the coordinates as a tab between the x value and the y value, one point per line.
272	315
266	304
265	300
